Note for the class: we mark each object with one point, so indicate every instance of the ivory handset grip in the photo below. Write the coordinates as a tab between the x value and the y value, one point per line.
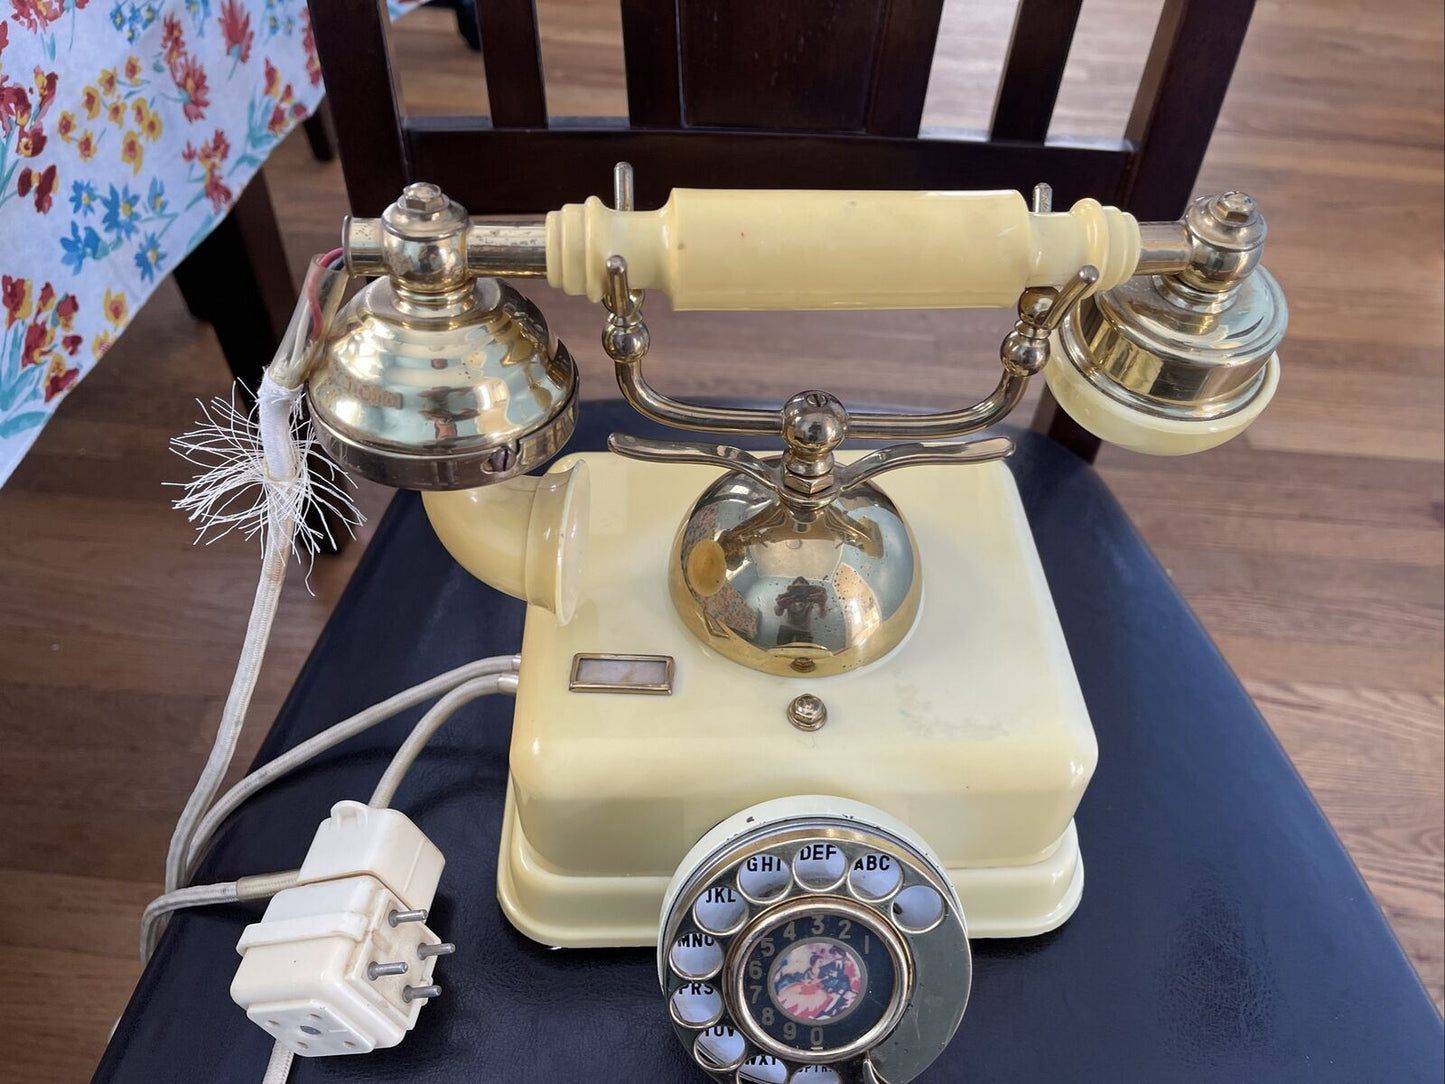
738	249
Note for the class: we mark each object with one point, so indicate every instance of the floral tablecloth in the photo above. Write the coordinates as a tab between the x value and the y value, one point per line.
127	128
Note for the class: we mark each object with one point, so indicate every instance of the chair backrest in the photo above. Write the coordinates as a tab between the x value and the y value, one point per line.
774	94
778	94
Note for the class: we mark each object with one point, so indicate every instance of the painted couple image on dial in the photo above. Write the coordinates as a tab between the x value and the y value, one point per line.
817	981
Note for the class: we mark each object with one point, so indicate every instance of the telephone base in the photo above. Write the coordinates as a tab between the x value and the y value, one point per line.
563	911
972	731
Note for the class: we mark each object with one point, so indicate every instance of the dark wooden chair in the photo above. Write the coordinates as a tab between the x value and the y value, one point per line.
721	94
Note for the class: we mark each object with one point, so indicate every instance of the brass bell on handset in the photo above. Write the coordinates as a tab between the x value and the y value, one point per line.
437	379
1175	363
434	378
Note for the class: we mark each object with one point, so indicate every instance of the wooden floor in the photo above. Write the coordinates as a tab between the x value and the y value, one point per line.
1311	547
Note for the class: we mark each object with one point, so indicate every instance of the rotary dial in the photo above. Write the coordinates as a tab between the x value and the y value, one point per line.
800	934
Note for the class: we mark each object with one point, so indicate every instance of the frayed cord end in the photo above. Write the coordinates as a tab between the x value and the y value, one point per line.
261	473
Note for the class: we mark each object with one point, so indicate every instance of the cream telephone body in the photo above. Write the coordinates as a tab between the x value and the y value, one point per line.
803	720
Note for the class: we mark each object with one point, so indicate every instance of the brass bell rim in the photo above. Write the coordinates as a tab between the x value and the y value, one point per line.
1199	411
1139	347
1250	342
452	469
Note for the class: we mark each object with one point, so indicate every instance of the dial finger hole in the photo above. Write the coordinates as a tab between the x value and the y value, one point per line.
817	1074
819	865
874	876
720	910
763	1069
696	956
764	878
719	1047
696	1004
917	909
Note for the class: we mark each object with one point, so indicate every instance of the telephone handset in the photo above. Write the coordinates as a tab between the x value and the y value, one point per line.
803	721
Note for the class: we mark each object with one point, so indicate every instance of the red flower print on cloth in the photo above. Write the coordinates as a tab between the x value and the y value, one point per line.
211	156
45	84
16	295
31	142
41	183
172	41
20	114
308	43
38	346
190	80
286	109
38	337
14	104
36	15
236	30
60	378
186	71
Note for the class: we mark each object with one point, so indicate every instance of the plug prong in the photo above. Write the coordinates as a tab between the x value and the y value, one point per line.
396	918
375	970
446	948
414	993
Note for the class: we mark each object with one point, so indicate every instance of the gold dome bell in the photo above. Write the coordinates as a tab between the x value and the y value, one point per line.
433	378
799	564
441	378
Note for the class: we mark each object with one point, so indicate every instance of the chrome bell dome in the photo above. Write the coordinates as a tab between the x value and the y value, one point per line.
431	378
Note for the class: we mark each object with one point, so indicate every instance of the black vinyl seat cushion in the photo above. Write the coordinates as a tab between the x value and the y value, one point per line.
1224	934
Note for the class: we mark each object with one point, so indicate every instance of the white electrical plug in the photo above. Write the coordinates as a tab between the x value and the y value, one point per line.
342	963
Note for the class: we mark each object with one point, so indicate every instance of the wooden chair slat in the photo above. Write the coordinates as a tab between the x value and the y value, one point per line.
653	59
1038	50
907	39
512	56
763	64
1180	94
573	163
351	43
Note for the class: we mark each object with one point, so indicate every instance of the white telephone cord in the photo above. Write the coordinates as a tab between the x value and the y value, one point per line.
256	477
332	736
263	886
261	475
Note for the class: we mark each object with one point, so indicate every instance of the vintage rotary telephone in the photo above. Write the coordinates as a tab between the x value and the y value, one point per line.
792	717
